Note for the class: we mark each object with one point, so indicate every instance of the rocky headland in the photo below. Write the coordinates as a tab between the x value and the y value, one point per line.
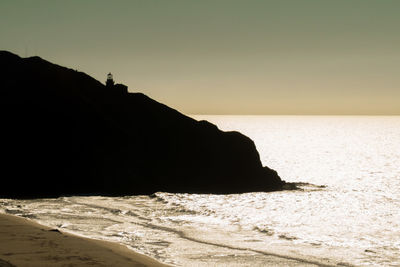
65	133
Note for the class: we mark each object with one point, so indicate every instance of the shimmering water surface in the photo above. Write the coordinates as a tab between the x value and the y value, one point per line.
348	212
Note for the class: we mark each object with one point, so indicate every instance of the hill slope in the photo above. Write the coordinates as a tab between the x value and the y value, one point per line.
65	133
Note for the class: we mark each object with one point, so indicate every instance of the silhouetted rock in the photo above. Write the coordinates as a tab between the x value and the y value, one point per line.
65	133
121	88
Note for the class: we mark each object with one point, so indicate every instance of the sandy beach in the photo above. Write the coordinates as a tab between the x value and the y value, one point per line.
26	243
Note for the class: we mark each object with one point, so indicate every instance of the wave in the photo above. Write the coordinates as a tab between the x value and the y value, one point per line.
300	259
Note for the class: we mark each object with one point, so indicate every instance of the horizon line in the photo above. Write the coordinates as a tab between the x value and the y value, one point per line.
358	115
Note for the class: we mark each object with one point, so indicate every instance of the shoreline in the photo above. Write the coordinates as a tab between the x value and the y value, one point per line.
26	243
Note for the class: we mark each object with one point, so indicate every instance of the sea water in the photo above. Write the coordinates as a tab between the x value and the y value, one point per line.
347	213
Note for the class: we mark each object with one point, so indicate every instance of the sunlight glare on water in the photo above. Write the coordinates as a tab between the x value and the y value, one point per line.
353	220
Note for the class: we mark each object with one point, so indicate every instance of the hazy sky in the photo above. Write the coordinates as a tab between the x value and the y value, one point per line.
224	57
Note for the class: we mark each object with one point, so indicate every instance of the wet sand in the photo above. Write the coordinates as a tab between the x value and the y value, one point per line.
26	243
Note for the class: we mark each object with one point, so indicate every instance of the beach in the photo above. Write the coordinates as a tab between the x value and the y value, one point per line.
26	243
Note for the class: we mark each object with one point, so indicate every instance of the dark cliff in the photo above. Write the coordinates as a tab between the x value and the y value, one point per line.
65	133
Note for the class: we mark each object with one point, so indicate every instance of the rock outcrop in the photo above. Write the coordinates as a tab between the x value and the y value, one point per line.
65	133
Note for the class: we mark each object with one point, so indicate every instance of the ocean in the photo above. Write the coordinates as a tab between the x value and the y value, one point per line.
347	212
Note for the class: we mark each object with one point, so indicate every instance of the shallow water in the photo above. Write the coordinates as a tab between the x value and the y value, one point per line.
353	219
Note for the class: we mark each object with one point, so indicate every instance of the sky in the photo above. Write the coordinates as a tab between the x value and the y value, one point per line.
311	57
